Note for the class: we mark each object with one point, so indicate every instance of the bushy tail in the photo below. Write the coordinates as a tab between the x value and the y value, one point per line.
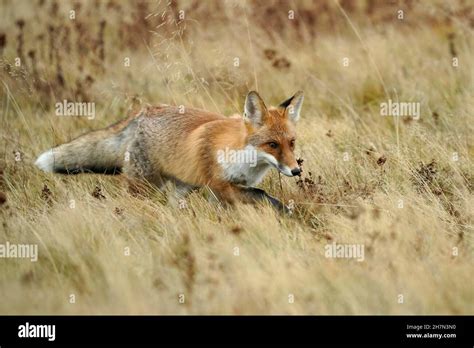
101	151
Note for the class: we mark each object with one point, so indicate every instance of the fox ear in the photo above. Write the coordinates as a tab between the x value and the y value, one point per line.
255	109
292	106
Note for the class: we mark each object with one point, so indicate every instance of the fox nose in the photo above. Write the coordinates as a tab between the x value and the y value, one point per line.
296	171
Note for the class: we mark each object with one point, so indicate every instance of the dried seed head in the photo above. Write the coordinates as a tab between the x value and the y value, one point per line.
270	53
3	40
97	193
20	23
89	80
381	161
281	63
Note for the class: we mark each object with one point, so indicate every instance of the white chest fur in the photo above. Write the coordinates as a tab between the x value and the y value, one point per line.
243	167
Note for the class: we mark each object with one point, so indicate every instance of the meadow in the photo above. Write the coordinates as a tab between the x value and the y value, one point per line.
401	187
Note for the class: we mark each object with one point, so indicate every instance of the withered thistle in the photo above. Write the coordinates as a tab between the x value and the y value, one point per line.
20	24
3	42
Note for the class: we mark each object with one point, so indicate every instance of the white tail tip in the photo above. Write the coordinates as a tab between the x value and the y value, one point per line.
45	161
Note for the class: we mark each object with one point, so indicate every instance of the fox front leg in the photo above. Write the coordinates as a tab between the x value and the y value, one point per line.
177	192
257	194
231	194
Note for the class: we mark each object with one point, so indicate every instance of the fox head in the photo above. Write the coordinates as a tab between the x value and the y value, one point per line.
272	131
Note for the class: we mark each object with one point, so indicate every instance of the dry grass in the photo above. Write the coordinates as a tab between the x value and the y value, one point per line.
84	250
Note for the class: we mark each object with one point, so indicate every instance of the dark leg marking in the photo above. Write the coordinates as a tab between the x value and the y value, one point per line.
259	195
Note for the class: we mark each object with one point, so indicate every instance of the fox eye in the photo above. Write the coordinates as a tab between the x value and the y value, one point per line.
273	145
292	142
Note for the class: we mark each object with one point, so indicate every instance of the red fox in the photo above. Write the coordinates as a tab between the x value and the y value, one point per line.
191	148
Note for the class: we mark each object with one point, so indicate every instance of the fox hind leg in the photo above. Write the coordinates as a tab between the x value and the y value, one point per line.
137	168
